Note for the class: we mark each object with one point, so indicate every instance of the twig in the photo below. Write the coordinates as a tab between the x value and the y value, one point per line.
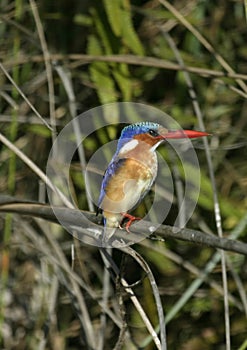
75	217
205	272
48	66
66	79
105	298
187	265
202	40
239	284
134	300
24	97
217	212
71	282
156	294
81	59
34	168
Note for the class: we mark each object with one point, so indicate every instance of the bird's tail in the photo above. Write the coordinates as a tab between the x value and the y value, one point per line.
110	227
108	233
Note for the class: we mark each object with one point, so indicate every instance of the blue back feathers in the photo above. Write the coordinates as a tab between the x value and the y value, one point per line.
135	129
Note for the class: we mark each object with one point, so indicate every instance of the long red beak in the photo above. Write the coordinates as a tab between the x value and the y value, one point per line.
182	134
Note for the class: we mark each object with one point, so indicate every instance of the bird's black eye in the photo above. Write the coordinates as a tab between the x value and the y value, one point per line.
153	133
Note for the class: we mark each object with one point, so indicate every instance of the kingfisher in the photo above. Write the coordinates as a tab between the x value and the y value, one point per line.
132	171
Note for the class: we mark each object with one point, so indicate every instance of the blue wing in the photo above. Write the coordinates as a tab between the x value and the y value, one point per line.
113	166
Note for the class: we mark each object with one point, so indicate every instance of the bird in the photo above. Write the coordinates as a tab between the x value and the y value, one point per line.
132	171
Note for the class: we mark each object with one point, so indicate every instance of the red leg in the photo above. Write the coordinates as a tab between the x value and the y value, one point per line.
129	222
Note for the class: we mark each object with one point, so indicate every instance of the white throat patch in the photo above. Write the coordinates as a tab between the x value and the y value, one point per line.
152	149
129	146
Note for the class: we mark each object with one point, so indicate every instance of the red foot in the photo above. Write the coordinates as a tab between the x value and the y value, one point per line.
129	222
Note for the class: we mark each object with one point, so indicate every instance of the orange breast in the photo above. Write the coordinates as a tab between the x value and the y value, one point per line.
133	171
128	185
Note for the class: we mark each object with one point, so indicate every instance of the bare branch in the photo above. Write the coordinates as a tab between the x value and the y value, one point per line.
74	217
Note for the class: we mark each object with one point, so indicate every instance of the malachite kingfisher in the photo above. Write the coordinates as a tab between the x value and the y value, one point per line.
132	171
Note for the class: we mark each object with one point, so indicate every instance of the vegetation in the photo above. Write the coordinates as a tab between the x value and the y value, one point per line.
61	59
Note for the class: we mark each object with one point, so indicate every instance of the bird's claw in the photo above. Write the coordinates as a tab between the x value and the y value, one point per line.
131	219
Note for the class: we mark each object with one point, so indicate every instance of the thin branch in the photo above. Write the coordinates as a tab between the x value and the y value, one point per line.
187	265
239	284
241	227
48	65
34	168
24	97
66	276
217	212
65	76
74	217
202	40
122	334
134	300
105	298
156	294
147	61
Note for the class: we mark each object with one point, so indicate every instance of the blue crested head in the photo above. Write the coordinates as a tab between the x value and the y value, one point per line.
138	128
135	129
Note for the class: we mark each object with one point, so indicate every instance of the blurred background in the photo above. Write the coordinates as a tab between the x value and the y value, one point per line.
68	57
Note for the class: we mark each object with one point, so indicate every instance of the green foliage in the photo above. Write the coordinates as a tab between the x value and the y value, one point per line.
113	10
114	33
101	74
39	130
